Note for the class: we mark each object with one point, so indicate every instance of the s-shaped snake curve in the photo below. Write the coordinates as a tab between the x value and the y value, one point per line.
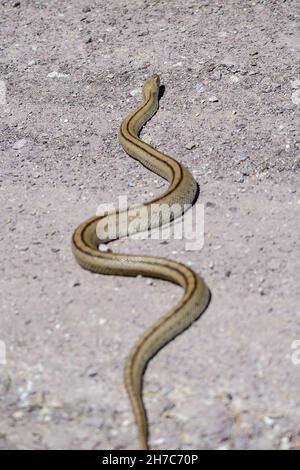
182	191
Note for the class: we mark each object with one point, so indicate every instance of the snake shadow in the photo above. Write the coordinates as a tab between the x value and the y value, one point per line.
161	92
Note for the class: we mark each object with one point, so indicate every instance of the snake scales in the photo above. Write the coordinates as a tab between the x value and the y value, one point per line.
90	234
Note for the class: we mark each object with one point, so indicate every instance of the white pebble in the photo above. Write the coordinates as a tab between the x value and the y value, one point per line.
19	144
57	75
103	247
135	92
268	421
190	145
296	97
200	88
234	79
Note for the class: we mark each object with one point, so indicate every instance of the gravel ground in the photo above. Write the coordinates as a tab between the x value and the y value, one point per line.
69	72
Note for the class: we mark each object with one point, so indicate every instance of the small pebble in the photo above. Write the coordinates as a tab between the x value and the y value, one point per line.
103	247
57	75
268	421
191	146
18	415
135	92
213	99
55	404
296	97
200	88
19	144
167	405
285	443
159	441
234	79
92	372
126	423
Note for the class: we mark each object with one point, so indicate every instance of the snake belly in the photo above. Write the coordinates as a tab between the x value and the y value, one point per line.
93	232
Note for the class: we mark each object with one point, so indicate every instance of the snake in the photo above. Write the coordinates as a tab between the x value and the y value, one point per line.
90	240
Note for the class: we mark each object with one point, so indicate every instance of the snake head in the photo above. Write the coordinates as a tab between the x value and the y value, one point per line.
151	85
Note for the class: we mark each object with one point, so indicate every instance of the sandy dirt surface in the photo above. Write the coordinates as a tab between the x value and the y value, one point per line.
69	72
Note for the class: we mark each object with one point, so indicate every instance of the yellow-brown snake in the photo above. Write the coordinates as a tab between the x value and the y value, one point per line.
95	231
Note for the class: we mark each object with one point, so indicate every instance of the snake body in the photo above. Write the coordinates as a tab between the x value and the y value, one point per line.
93	232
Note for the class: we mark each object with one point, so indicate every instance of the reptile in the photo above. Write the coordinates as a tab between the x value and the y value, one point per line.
92	236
